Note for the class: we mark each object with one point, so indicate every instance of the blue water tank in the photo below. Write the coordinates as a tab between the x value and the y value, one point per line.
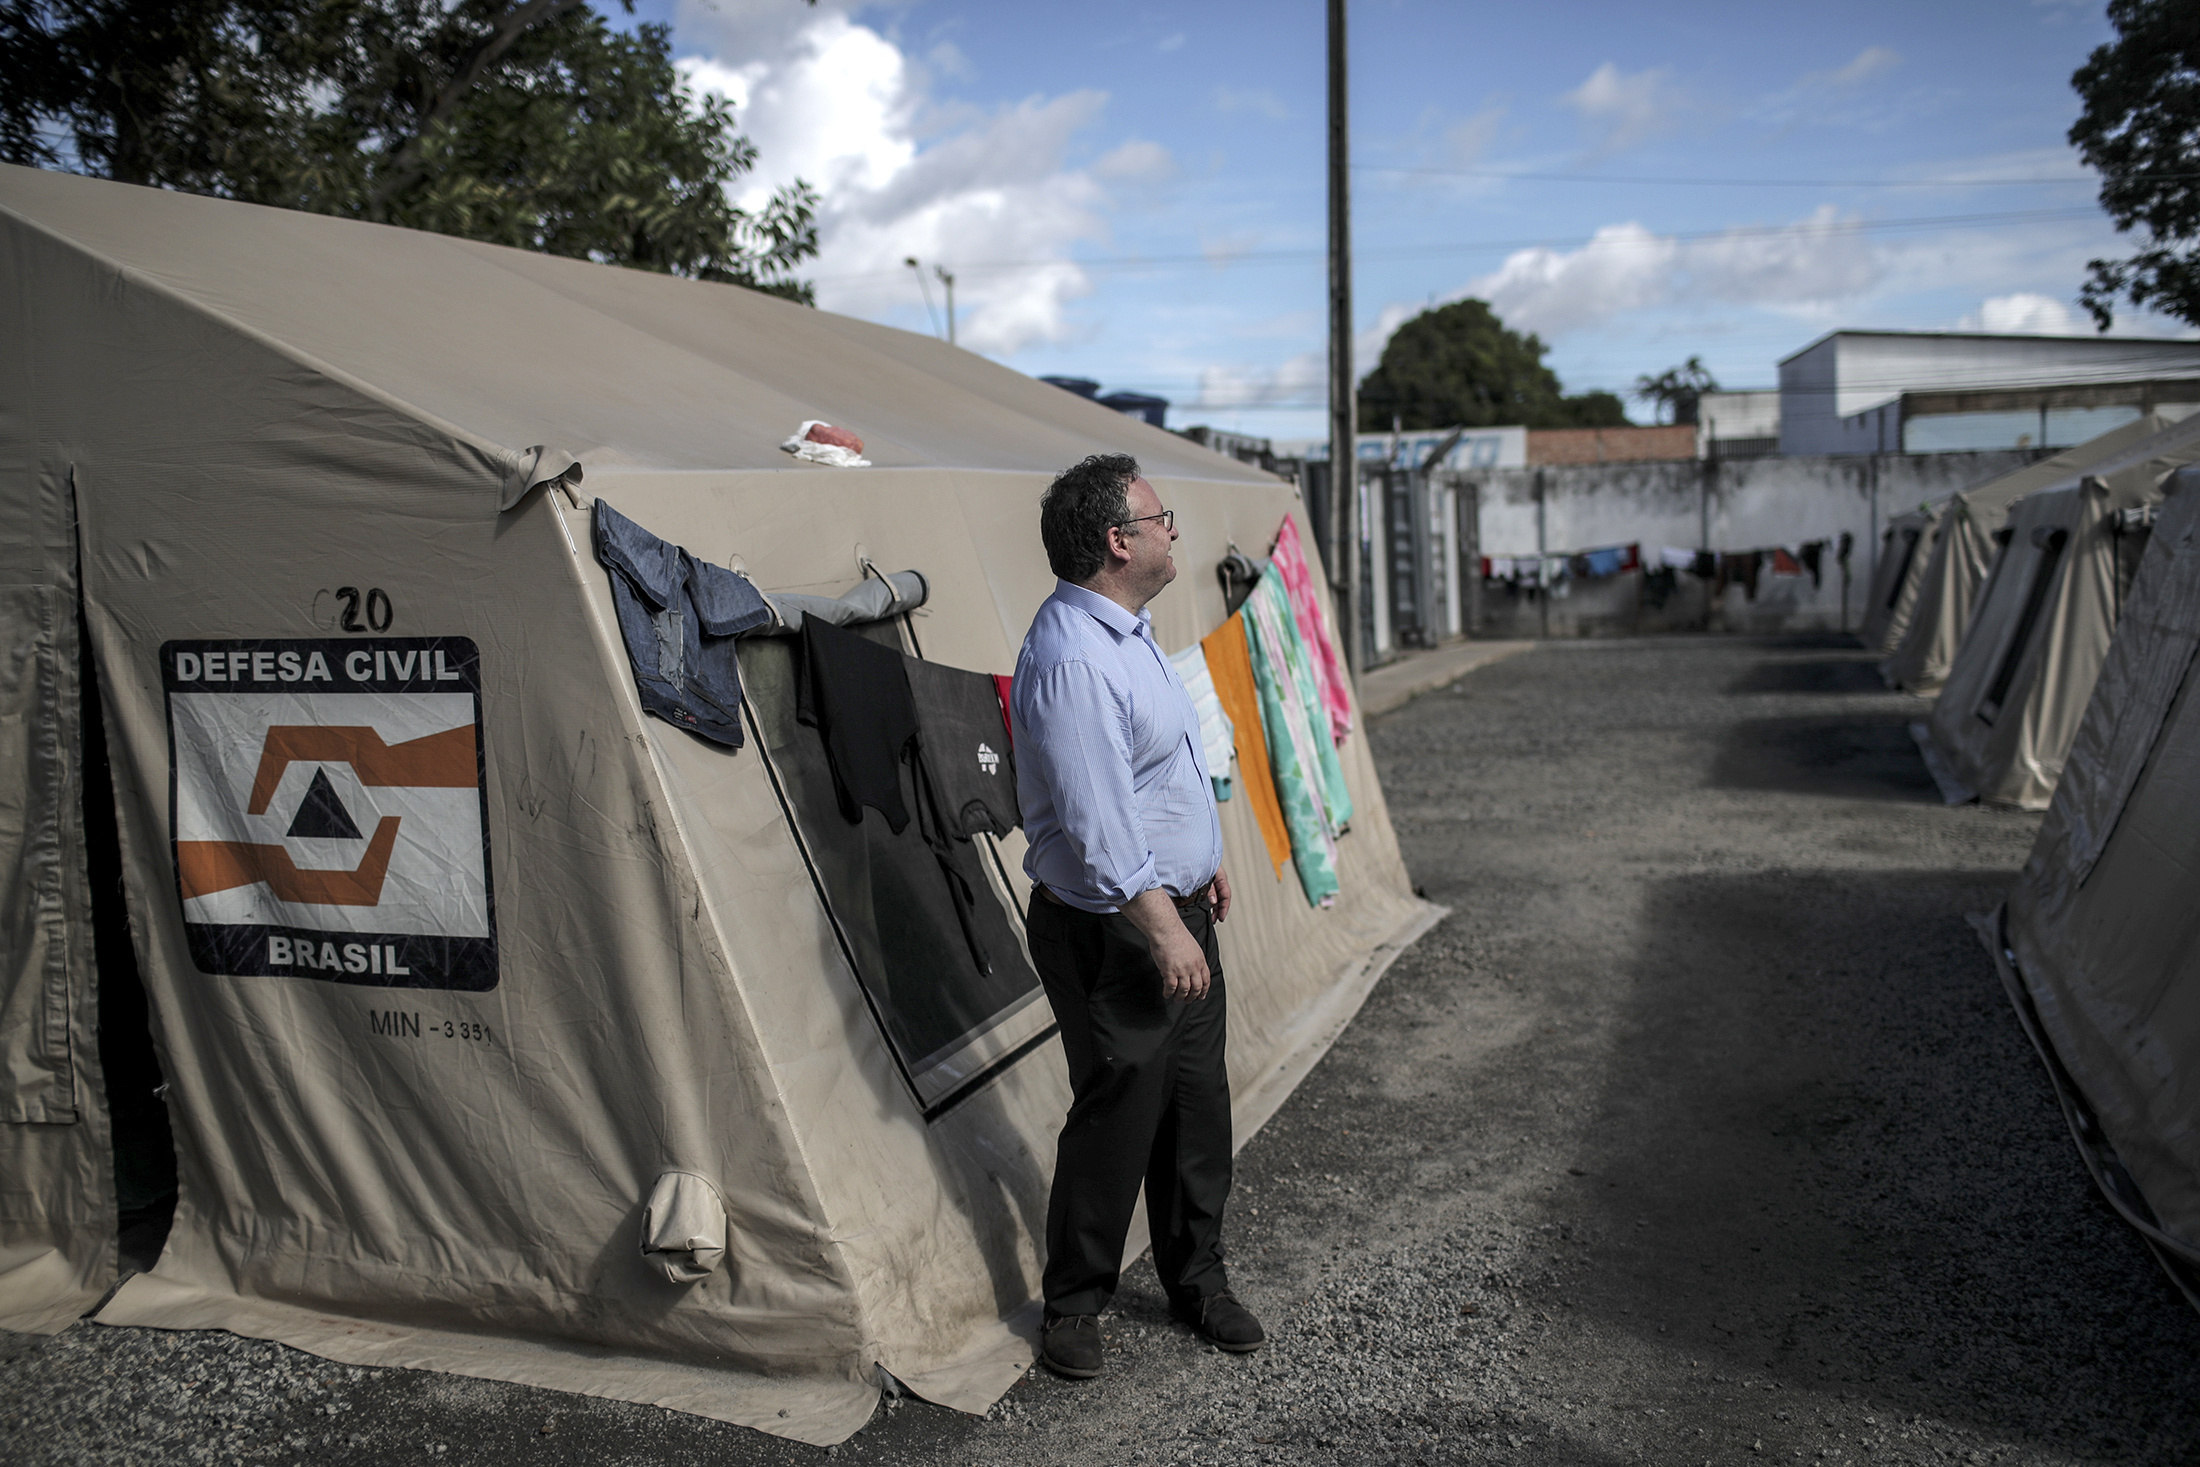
1154	410
1082	386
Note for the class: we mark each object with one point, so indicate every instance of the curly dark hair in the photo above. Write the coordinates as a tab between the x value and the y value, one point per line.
1079	508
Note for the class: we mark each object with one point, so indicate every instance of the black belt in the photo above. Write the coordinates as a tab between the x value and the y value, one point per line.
1197	903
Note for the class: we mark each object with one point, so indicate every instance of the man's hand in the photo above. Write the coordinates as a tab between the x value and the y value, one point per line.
1218	891
1183	963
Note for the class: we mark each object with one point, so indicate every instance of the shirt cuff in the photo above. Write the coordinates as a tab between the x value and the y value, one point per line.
1104	897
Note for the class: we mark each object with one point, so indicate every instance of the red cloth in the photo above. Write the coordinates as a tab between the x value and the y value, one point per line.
1631	558
837	437
1784	564
1000	687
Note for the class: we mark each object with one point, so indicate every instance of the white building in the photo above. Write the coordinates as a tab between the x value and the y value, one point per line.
1738	424
1944	391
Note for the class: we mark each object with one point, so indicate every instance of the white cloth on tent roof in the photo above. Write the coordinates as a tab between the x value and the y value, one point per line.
1217	735
832	455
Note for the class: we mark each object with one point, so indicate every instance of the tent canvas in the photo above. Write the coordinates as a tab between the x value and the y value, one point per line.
2004	721
263	434
2096	943
1963	553
1904	548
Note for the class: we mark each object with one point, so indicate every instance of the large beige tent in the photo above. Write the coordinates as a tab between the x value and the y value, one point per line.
2097	942
277	467
2005	718
1904	547
1963	551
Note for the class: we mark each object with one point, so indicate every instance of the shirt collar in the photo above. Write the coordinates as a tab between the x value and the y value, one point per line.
1108	613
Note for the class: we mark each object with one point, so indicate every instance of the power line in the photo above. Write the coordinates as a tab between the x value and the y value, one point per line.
1502	174
1459	247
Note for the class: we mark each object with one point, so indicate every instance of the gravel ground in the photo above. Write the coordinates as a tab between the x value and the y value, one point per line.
1700	1133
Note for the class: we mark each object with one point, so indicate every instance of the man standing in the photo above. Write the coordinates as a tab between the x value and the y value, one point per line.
1126	865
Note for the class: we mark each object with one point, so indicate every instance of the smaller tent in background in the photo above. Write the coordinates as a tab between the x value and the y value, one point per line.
2096	943
2011	705
1924	645
1903	548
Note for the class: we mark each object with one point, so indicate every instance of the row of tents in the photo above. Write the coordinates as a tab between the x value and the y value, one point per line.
487	1024
2002	600
2055	611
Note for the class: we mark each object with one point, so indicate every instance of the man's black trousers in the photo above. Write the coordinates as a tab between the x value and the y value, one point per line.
1151	1106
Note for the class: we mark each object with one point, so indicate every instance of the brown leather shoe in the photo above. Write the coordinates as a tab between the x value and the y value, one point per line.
1224	1323
1070	1345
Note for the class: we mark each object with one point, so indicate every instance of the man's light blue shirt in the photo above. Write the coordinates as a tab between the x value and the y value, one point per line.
1109	771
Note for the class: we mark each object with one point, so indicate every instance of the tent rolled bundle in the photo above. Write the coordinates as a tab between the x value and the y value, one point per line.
881	596
684	1227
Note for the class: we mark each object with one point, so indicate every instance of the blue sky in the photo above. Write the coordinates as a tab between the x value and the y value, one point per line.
1135	194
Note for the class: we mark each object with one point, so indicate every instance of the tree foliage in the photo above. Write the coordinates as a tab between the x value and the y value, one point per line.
2140	130
1459	366
1677	391
530	123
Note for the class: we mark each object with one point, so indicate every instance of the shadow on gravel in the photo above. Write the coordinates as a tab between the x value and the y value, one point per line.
1835	1164
1825	675
1851	757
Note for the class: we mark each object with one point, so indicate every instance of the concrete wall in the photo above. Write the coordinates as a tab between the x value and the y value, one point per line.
1745	504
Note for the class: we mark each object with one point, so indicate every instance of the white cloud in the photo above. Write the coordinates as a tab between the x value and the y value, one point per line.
1251	99
1465	141
1869	62
1171	42
2025	313
1302	381
902	172
1806	268
1625	110
1137	161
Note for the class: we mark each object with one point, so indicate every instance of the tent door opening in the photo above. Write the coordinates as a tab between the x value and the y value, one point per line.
2050	544
950	1026
144	1147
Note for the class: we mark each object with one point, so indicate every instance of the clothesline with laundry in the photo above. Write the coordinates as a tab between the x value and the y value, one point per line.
1723	568
1269	684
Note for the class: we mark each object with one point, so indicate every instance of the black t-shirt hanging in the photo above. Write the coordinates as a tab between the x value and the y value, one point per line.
965	747
853	692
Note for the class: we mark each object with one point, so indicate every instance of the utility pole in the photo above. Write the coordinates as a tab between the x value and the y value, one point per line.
948	281
1344	458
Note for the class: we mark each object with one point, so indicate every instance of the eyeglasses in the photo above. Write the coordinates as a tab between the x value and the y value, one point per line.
1167	518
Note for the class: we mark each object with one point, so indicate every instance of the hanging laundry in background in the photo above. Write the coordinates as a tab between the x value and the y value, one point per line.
965	747
1610	561
1739	568
1784	562
1330	680
1230	666
853	692
1328	768
1291	751
1672	557
1813	556
1001	682
1216	737
678	617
